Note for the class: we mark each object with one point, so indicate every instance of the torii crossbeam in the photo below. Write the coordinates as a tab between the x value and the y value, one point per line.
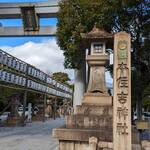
31	19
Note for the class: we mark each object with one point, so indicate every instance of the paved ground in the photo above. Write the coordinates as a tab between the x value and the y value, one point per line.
35	136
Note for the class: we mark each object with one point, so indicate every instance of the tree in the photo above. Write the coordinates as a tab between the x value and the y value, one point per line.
77	16
5	95
146	98
61	77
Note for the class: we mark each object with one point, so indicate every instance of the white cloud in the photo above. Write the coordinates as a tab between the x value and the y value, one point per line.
46	55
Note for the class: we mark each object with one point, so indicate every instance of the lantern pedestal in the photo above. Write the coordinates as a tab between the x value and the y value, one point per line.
93	118
97	99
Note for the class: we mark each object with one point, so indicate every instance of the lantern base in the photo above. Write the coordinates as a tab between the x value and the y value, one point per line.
97	99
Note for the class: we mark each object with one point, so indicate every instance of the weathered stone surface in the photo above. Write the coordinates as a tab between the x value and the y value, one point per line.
122	92
97	82
136	147
76	145
146	148
89	121
91	116
81	146
97	33
102	144
97	99
93	141
94	110
82	135
66	146
146	145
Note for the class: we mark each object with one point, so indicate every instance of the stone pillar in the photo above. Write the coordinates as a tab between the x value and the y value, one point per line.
122	92
80	82
93	143
79	87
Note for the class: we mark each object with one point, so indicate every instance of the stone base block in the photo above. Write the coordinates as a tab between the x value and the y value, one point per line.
63	145
94	110
82	134
91	117
146	145
89	122
136	147
96	99
86	145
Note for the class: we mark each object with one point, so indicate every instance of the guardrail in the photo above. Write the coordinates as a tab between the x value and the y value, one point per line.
17	73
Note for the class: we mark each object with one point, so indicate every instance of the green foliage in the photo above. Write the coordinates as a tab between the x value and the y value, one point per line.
5	94
61	77
134	88
32	98
77	16
146	104
147	91
146	98
132	16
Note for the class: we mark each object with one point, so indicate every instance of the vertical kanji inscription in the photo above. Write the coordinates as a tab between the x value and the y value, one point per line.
122	92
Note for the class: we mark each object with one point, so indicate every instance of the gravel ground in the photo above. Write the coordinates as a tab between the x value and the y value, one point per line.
35	136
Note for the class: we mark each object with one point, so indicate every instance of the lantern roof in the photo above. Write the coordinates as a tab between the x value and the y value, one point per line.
97	35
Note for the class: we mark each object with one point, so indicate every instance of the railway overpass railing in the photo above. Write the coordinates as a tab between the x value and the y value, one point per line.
17	74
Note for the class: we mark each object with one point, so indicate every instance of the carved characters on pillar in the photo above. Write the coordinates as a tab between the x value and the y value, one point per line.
122	128
122	86
122	97
122	113
122	49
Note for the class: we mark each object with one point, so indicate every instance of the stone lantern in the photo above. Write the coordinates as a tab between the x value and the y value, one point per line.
92	120
97	41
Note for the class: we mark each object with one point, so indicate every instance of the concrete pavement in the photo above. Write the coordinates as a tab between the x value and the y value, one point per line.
35	136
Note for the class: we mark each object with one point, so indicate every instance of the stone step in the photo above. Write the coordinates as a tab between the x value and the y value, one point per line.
94	110
89	121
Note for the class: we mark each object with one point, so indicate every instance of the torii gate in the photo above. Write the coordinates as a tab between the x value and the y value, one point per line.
30	13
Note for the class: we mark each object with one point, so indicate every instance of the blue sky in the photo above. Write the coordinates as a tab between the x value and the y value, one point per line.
14	41
42	52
